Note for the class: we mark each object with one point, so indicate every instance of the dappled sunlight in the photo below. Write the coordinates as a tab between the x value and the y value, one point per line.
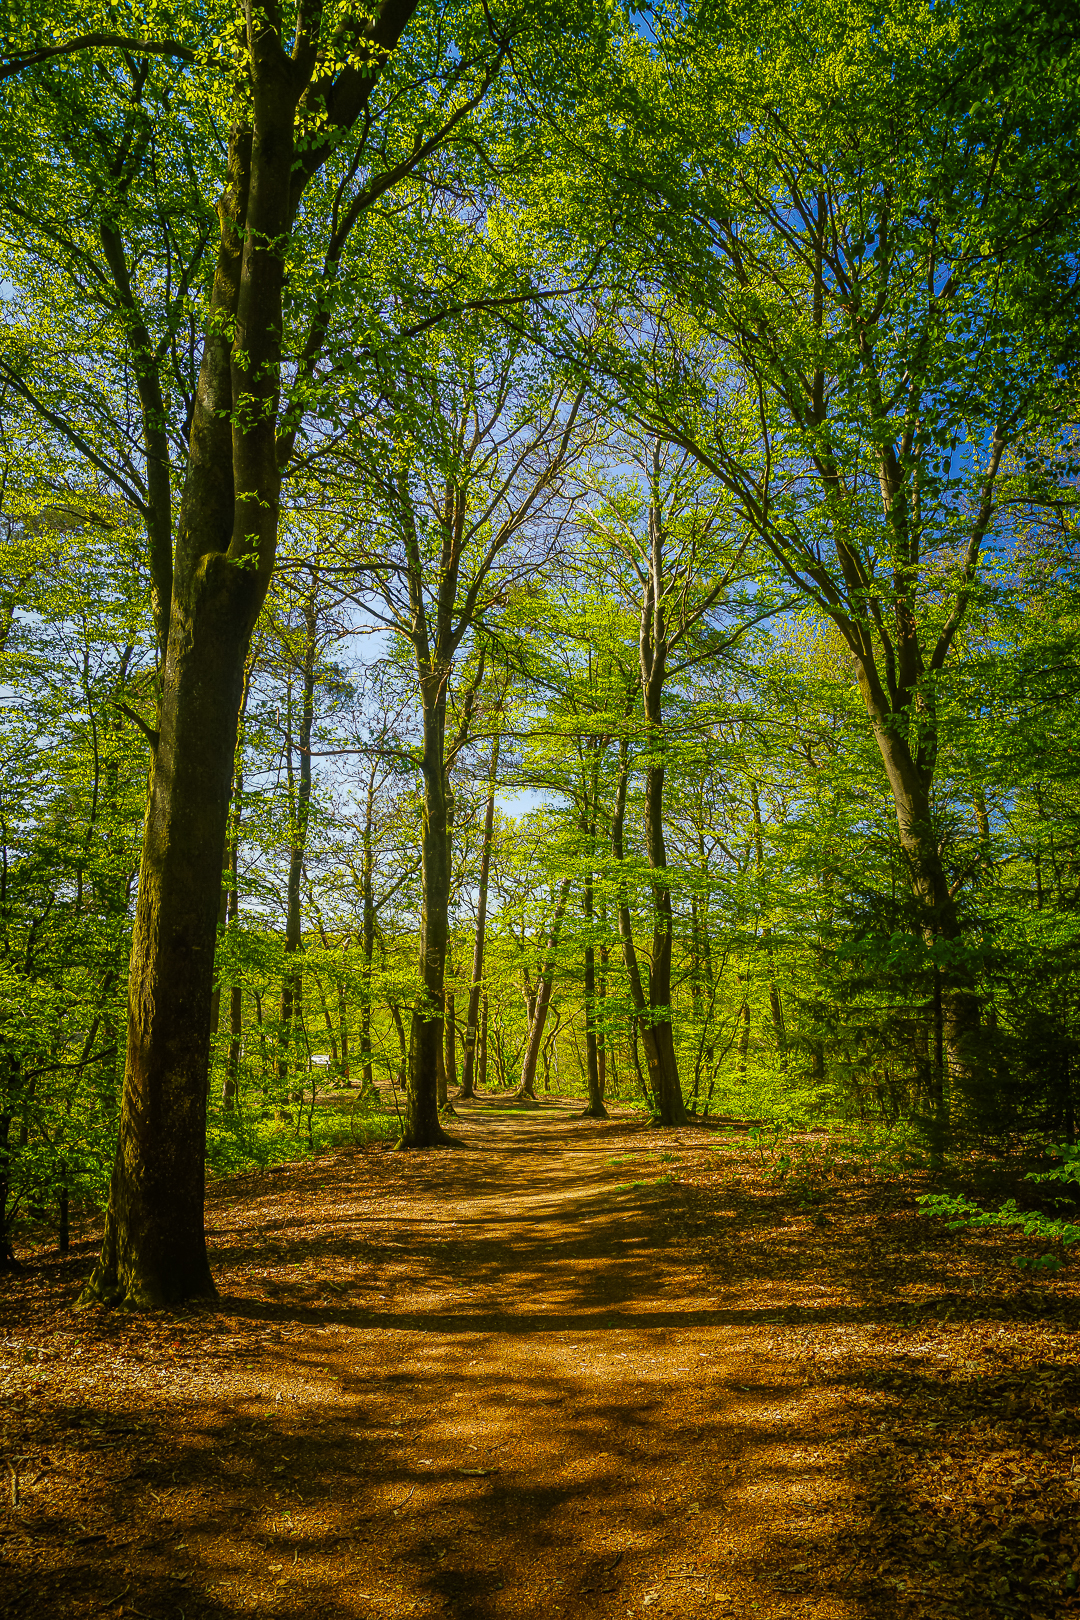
544	1374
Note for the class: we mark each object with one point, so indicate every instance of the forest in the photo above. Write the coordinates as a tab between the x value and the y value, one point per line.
583	594
539	634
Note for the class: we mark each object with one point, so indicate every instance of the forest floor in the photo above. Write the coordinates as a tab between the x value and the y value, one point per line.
569	1369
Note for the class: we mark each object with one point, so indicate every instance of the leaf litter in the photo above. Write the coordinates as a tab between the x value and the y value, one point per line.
706	1397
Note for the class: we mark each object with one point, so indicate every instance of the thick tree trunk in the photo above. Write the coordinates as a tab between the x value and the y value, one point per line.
526	1092
154	1249
960	1017
475	986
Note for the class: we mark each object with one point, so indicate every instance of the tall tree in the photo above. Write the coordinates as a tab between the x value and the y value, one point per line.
848	311
471	503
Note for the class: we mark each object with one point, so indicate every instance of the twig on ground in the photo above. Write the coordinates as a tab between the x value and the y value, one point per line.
108	1603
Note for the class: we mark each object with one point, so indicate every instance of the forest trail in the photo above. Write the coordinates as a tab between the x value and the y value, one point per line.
501	1381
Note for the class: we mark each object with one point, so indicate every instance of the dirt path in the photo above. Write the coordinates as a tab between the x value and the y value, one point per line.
497	1382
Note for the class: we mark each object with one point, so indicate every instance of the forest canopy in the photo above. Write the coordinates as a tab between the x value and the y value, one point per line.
538	549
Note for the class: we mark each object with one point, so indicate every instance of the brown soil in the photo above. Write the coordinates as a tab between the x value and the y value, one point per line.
572	1368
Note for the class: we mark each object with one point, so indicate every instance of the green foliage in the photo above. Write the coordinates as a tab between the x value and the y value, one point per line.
1058	1231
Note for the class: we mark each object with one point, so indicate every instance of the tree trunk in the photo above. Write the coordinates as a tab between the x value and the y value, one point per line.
154	1248
659	1039
601	1022
450	1042
776	1011
744	1027
343	1040
526	1092
421	1125
481	1066
367	937
940	921
231	1087
663	1084
595	1109
231	1092
467	1087
299	811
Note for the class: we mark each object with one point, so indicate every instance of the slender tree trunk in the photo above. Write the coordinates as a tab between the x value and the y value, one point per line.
343	1040
367	937
595	1108
467	1081
744	1032
231	1087
450	1041
331	1030
776	1011
653	648
481	1066
231	1092
421	1126
526	1092
7	1254
601	1022
300	810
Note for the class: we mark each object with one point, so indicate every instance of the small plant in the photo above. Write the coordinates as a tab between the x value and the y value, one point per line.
1057	1233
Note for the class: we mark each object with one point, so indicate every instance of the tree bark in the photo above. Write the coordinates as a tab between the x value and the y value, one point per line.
663	1083
526	1092
653	644
467	1078
450	1041
960	1015
231	1088
481	1066
299	812
421	1124
154	1248
595	1108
